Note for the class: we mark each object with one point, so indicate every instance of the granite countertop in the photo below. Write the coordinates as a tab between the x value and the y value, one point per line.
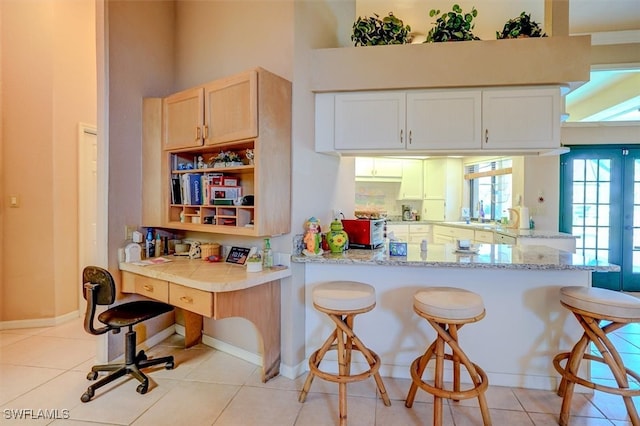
207	276
520	233
493	256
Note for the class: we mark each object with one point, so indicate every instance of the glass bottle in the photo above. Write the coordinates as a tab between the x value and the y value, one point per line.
150	249
267	255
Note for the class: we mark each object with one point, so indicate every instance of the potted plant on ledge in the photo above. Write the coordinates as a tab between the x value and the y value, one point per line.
520	27
227	159
374	31
452	26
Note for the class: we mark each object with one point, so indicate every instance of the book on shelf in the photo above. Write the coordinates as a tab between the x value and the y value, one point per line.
195	186
176	190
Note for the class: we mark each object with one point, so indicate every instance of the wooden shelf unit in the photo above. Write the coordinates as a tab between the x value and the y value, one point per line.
268	179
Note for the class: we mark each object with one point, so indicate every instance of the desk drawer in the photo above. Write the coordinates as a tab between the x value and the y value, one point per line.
153	288
145	286
191	299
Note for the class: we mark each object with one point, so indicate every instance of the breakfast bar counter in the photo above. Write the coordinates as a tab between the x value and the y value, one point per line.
214	290
525	325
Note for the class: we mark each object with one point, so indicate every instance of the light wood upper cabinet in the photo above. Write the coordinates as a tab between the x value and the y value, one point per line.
183	115
251	112
231	108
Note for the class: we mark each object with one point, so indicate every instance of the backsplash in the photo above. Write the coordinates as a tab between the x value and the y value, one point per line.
382	196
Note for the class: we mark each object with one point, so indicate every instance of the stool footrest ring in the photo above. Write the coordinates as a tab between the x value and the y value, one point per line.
580	381
337	378
450	394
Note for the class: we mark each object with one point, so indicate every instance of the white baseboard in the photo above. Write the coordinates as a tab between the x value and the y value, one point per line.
39	322
255	359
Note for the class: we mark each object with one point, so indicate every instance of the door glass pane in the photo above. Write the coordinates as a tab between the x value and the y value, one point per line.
603	255
591	195
578	170
604	172
590	215
591	171
603	192
589	237
603	214
603	238
578	192
578	217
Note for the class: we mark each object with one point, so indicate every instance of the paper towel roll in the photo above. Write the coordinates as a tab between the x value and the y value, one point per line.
524	217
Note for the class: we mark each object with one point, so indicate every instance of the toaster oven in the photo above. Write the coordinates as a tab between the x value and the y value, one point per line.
365	233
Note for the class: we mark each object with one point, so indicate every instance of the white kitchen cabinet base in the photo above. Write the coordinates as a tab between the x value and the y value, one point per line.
525	323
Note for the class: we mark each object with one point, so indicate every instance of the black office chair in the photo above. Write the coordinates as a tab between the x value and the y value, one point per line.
100	289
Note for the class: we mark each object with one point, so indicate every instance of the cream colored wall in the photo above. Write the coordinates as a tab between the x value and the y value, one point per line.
48	80
139	60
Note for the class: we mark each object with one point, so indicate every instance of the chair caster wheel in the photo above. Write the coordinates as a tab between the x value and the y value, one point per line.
92	376
142	389
86	397
169	365
142	356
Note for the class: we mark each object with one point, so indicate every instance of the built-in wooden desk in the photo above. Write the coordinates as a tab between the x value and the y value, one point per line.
214	290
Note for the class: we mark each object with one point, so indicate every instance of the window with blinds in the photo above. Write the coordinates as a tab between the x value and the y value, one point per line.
490	189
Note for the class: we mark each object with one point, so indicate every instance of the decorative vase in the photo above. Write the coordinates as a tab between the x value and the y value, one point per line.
337	237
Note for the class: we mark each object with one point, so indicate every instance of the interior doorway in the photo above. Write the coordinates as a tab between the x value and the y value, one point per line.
600	203
87	200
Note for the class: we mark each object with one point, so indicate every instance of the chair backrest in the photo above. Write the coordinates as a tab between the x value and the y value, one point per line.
98	288
105	292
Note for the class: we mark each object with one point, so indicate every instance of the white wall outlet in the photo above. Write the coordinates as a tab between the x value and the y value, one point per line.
128	231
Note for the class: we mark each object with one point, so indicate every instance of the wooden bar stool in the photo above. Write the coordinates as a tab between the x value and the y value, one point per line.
592	306
342	301
447	309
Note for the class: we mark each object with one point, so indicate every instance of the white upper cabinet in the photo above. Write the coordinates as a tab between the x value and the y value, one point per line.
441	120
369	120
493	119
412	177
370	167
521	118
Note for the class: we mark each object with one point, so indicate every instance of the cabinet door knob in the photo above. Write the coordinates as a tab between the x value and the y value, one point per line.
206	132
410	136
401	135
197	132
148	287
486	135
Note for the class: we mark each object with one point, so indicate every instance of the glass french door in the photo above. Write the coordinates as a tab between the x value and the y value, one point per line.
600	203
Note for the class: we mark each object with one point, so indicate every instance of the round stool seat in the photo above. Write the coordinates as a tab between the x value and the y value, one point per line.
601	302
344	296
449	303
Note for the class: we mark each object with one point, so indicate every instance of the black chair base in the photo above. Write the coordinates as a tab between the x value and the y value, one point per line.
132	366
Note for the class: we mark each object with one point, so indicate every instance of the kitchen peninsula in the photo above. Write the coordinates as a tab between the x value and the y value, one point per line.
525	325
215	290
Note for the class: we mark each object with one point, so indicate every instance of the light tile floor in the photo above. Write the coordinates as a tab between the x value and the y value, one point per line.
46	368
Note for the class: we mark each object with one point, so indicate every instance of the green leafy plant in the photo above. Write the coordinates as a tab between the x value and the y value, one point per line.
521	26
452	26
372	31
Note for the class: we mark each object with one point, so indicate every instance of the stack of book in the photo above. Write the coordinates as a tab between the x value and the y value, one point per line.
197	189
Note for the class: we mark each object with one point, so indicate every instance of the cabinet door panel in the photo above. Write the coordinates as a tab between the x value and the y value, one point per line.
231	108
521	118
183	117
412	177
444	120
370	120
